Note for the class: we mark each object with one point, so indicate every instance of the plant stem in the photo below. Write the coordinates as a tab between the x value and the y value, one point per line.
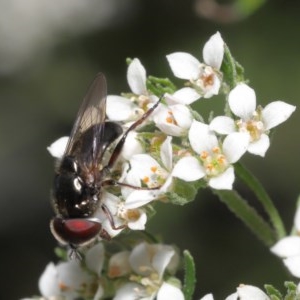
248	215
263	198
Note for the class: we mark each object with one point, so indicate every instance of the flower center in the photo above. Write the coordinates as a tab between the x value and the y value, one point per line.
155	178
130	215
214	162
170	118
206	80
254	127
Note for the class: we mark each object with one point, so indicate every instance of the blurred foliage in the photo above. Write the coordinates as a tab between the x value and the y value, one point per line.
40	99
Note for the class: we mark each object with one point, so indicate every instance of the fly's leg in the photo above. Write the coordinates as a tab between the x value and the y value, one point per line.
111	219
117	151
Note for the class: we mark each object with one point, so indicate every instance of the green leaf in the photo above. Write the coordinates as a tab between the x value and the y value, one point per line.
160	86
251	181
273	292
232	71
183	192
248	215
189	275
61	253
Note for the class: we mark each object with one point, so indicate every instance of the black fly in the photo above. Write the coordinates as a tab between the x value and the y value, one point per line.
81	175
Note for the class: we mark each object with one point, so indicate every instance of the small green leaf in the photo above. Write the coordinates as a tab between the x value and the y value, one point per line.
160	86
183	192
273	292
61	253
232	71
248	215
189	275
262	196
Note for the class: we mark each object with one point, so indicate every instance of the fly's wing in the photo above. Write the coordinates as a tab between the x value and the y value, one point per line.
88	130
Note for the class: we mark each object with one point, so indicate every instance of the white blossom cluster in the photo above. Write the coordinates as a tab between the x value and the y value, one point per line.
180	146
145	272
207	151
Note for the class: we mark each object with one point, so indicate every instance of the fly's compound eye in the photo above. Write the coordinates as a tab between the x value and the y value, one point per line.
76	232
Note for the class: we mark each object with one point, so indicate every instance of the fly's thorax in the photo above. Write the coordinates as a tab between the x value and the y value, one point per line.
75	192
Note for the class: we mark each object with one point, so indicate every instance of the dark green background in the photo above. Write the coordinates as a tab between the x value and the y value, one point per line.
39	102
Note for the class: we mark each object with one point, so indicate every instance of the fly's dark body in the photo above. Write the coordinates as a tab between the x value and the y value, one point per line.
81	175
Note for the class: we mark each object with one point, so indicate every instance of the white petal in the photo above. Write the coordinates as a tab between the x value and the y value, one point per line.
141	165
213	51
106	225
136	77
139	198
132	146
276	113
166	153
293	264
119	108
188	169
99	293
57	149
161	119
214	89
207	297
169	291
224	181
233	296
72	275
201	138
242	101
185	96
162	258
235	145
94	258
260	146
288	246
184	65
141	255
119	264
182	115
170	129
138	224
48	282
222	125
297	219
130	291
248	292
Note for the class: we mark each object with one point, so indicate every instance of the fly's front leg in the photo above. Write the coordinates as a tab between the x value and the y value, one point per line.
111	218
117	151
111	182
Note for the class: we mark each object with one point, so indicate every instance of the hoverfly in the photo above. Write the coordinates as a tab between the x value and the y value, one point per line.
81	174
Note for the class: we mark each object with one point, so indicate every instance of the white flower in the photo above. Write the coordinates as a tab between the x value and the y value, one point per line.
214	159
119	108
255	121
207	297
148	264
248	292
172	119
146	171
288	248
204	78
67	279
123	216
57	148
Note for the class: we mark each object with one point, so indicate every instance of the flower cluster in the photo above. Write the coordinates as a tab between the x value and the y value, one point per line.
168	156
145	272
174	144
